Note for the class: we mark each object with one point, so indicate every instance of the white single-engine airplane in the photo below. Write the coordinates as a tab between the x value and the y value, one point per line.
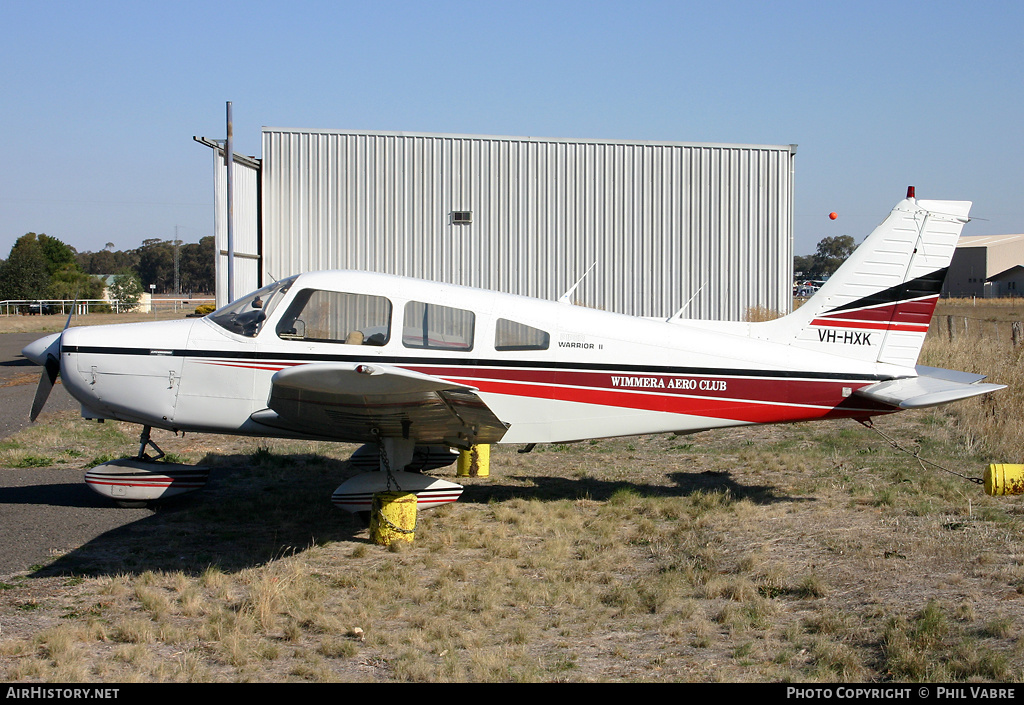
417	367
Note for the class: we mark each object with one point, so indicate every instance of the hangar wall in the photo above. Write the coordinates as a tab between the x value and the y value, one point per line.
246	231
663	223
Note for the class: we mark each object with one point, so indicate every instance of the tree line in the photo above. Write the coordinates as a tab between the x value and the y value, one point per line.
43	267
831	252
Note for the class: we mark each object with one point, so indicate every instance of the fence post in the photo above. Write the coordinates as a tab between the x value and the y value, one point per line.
1015	333
949	327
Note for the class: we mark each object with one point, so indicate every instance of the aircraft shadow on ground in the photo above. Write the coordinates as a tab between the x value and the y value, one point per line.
684	485
251	513
56	494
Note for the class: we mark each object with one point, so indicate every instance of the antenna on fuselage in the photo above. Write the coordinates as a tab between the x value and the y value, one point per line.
566	298
679	313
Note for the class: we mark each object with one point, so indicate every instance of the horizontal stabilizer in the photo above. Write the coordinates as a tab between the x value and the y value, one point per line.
949	375
932	386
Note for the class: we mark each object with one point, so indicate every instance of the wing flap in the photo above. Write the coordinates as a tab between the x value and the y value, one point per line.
932	386
359	402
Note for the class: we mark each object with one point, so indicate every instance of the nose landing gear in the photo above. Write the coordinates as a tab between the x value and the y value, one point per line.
144	441
136	482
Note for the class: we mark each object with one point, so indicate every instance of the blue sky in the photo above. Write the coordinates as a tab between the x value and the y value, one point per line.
101	99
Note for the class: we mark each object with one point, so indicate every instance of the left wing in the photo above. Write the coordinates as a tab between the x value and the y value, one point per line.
932	386
349	402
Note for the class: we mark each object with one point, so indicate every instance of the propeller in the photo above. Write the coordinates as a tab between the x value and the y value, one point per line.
51	370
45	352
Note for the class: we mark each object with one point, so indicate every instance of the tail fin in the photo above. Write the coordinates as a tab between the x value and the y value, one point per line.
877	307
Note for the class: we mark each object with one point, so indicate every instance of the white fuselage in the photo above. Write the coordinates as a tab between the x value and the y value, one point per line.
580	373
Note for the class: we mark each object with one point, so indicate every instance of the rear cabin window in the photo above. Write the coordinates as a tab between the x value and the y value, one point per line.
337	317
435	327
509	335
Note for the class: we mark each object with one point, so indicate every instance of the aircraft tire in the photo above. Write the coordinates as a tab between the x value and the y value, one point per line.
131	504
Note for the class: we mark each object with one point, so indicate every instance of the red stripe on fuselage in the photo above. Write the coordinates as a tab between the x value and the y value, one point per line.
270	366
748	399
741	398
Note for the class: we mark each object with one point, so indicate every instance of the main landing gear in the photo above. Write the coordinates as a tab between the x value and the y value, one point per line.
377	461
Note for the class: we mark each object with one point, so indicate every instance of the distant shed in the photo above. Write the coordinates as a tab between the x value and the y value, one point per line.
665	225
986	266
1008	283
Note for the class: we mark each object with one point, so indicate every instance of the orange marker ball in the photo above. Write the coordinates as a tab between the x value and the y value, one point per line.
833	215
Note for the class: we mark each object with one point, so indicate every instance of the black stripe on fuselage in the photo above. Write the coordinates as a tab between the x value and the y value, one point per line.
927	285
269	357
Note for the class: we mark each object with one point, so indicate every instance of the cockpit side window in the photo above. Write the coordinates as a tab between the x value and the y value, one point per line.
246	316
337	317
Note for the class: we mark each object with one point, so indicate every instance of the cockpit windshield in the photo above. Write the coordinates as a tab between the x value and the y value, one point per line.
246	316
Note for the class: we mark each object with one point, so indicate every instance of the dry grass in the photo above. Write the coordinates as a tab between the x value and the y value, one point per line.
757	314
990	425
51	324
810	552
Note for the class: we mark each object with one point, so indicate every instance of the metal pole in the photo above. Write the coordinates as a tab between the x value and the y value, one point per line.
229	163
177	263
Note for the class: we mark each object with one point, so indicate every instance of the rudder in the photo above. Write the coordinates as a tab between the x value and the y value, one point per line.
877	307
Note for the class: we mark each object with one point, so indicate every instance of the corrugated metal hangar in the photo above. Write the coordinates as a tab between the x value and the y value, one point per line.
658	225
